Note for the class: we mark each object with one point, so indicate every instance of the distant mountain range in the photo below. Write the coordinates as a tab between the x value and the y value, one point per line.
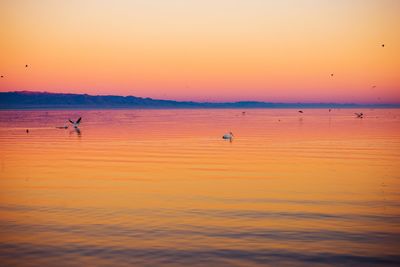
43	100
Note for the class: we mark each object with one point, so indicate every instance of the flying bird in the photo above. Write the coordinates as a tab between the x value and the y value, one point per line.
359	115
75	123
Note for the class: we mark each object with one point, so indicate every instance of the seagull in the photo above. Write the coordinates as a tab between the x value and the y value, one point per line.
359	115
76	123
228	136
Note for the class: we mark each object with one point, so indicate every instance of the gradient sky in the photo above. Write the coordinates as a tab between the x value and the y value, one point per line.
205	50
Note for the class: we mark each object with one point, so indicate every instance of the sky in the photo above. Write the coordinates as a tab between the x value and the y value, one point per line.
205	50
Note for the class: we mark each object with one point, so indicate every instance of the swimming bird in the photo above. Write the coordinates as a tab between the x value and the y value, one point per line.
26	66
359	115
331	74
228	136
383	45
27	130
76	123
330	110
300	111
373	86
2	76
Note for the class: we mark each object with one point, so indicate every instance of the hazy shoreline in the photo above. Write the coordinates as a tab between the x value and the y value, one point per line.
27	100
181	108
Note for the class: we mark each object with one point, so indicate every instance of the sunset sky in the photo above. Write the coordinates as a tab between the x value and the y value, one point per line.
205	50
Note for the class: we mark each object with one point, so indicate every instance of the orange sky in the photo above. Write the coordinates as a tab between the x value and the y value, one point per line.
204	50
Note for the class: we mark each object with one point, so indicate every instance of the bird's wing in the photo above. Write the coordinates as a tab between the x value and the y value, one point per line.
79	120
70	121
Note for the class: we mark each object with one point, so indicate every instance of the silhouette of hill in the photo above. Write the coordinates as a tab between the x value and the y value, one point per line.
43	100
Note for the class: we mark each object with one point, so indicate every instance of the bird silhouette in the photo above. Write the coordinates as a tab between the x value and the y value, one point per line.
75	123
359	115
300	111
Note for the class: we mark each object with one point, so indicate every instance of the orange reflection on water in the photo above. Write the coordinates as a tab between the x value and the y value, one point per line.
137	183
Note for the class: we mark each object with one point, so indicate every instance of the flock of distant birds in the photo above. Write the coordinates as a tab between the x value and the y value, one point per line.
228	136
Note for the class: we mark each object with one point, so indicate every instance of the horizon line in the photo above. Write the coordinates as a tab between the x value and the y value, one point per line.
202	102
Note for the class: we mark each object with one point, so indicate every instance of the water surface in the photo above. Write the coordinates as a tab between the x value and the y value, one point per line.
161	188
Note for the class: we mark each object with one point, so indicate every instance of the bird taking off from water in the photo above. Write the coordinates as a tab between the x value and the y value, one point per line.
75	123
228	136
359	115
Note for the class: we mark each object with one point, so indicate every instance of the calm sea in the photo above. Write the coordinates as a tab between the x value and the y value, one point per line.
162	188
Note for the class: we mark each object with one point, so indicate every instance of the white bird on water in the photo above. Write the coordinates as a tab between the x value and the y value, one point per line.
228	136
75	123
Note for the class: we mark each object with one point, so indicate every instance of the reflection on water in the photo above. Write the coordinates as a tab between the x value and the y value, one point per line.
161	187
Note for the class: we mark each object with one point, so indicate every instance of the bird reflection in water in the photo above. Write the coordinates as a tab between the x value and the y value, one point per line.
77	131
